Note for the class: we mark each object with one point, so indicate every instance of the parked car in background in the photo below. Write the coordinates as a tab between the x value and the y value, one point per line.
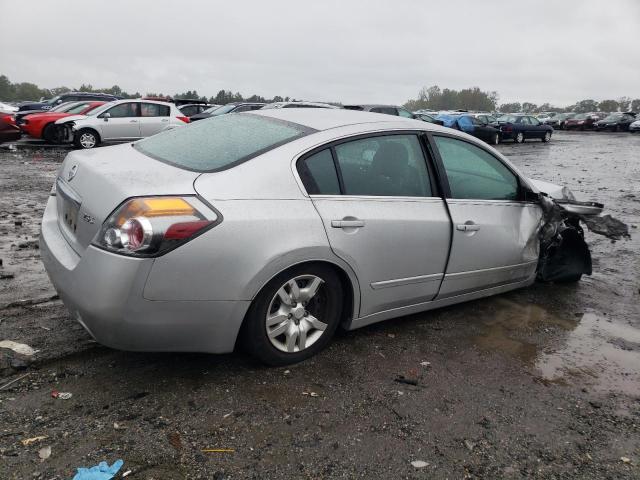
191	109
298	105
616	122
635	126
355	225
486	118
520	127
67	97
544	116
388	109
5	107
59	108
234	107
43	125
558	121
472	125
425	117
582	121
120	121
9	132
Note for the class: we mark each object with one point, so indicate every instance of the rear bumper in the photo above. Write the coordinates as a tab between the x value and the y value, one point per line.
104	292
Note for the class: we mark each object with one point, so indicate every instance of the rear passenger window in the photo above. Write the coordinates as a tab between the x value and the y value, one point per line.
318	173
392	165
154	110
474	173
405	113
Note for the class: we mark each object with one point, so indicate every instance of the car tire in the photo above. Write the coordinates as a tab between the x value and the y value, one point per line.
281	312
495	139
48	133
86	138
519	138
572	279
547	137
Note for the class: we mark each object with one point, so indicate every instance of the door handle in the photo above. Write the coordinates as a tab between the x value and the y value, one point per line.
164	120
467	227
347	223
133	121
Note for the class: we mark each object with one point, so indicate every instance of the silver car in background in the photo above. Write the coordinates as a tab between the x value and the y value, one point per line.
120	121
275	227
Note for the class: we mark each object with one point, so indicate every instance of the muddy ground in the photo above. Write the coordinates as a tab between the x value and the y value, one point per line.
539	383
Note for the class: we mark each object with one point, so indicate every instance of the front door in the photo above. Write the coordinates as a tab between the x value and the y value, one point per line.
122	123
382	216
495	232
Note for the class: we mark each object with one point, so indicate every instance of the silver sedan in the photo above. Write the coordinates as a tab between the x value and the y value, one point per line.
276	227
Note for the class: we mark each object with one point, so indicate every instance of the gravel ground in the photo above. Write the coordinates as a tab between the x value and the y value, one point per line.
538	383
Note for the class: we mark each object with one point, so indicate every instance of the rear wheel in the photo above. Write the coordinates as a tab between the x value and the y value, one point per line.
86	138
48	133
547	137
519	138
495	139
294	316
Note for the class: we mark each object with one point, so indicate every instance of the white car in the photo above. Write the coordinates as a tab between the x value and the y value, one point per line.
5	107
635	126
121	121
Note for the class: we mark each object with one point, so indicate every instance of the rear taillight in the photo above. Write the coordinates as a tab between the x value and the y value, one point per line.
507	128
152	226
184	119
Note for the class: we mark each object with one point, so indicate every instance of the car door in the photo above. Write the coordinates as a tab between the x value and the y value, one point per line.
495	232
154	118
537	129
383	216
121	123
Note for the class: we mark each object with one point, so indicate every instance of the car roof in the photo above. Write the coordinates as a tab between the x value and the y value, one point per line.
372	105
327	118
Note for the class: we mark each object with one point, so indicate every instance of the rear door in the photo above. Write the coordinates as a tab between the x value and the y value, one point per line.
495	239
123	122
382	215
154	118
537	129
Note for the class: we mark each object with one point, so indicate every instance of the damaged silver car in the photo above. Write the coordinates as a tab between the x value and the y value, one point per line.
273	228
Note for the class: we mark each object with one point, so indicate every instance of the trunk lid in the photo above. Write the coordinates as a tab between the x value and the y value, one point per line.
92	183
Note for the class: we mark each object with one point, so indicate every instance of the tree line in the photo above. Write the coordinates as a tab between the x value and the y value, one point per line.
434	98
23	91
429	98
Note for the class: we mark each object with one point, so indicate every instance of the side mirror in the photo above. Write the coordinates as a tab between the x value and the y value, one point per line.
530	196
106	116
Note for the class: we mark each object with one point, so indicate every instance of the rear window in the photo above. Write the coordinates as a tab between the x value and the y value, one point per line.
220	142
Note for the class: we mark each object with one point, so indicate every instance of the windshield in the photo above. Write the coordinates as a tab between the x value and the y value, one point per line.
76	108
63	107
220	142
613	117
508	118
221	110
580	116
52	100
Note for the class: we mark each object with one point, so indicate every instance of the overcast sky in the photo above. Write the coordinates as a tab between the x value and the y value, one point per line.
559	51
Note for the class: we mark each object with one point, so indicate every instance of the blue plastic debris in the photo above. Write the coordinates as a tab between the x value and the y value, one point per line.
102	471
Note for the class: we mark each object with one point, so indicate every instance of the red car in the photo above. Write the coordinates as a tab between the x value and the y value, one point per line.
41	125
8	130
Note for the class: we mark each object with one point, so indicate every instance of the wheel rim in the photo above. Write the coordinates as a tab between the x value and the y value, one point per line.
520	137
294	319
547	137
87	140
496	139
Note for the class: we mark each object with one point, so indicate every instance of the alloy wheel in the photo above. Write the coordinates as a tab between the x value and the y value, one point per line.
294	319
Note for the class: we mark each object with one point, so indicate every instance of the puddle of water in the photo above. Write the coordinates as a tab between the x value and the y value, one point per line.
597	352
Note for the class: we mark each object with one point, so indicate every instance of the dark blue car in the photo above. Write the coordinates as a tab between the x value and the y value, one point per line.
67	97
471	125
521	127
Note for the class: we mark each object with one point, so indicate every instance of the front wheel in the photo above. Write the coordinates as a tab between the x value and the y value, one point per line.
48	133
86	138
294	316
547	137
495	139
519	137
